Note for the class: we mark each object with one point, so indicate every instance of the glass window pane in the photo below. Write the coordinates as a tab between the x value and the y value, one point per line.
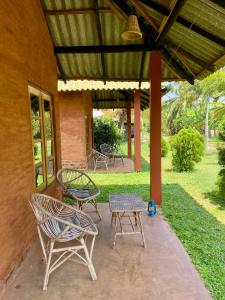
36	128
49	148
39	176
50	168
35	108
47	109
48	128
37	152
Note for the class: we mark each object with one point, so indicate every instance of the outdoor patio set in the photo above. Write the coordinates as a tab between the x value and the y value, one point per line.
58	222
106	156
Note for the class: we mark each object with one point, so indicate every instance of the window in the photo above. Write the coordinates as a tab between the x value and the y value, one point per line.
43	137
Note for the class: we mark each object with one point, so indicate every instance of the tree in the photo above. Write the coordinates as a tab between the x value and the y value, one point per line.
199	96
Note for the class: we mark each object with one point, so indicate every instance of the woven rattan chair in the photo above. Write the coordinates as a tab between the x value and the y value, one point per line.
60	223
99	159
107	150
78	186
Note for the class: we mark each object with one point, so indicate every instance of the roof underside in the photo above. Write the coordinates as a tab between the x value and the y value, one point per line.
192	46
107	99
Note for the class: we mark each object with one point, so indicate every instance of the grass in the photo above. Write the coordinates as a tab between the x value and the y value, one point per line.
190	206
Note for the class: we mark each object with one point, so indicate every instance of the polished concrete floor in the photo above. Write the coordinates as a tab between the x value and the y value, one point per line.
162	271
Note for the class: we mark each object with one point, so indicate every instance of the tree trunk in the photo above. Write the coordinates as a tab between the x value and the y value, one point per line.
207	127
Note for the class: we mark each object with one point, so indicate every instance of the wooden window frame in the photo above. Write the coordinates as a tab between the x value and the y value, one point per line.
43	96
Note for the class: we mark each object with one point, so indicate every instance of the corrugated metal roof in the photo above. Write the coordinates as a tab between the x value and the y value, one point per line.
105	99
79	85
81	29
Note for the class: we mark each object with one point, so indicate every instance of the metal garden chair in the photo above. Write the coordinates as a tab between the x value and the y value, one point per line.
60	223
107	150
78	186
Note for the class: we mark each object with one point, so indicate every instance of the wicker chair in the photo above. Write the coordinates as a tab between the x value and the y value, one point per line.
99	159
61	223
78	186
107	150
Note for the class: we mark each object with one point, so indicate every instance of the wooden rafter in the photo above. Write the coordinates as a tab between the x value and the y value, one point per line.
141	72
104	48
120	14
77	11
163	10
169	20
211	64
99	30
187	54
150	33
142	11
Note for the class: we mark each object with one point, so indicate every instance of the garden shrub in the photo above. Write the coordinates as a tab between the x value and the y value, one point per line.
187	149
106	131
221	183
221	155
221	161
164	148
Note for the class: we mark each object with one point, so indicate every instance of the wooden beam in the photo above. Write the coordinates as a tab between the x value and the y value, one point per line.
141	72
103	48
155	128
99	30
137	130
109	100
77	11
163	10
142	11
129	144
170	19
186	54
219	3
150	35
211	64
120	14
172	60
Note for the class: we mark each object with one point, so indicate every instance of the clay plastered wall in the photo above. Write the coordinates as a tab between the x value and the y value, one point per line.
74	106
26	55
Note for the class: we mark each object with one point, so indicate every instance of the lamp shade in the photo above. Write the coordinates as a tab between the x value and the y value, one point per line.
132	30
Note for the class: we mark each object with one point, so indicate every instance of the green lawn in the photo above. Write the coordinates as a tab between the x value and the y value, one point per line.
190	206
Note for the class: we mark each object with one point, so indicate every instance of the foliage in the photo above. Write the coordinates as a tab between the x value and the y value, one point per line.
221	183
106	131
221	155
35	150
164	148
187	148
198	220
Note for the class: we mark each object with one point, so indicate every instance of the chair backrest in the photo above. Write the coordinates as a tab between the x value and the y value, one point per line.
70	178
105	148
98	155
55	217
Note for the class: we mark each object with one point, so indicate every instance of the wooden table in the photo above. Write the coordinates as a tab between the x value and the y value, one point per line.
129	206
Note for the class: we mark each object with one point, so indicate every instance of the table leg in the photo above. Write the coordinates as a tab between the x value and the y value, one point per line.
115	230
141	228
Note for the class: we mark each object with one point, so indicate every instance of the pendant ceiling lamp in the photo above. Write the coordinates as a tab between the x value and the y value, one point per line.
132	30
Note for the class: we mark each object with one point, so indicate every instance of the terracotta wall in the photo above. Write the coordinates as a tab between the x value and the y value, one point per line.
26	56
75	127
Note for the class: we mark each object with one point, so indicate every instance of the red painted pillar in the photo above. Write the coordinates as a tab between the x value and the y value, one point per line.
155	128
129	149
137	131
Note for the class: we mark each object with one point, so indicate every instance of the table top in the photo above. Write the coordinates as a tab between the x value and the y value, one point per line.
126	203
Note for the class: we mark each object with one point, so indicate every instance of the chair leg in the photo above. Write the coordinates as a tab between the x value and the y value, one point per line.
46	277
96	208
89	260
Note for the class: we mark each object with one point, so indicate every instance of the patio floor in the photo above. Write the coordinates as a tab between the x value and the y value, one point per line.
119	167
162	271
